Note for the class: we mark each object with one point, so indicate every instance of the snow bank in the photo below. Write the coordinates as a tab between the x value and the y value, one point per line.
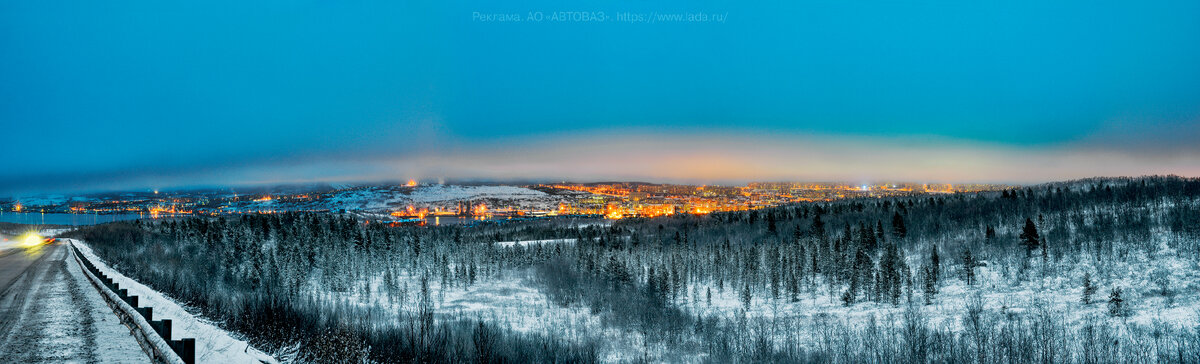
213	345
8	242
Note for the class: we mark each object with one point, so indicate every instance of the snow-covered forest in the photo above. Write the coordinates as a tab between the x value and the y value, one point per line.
1090	271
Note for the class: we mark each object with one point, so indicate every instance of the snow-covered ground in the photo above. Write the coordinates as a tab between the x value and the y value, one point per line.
52	314
1058	294
9	242
438	193
511	301
507	244
213	345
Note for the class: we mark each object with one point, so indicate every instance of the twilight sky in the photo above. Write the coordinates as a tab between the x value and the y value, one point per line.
134	95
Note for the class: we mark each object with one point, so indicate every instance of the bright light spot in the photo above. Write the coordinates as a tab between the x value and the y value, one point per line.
32	239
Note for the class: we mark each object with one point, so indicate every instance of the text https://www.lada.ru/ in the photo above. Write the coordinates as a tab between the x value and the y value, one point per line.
599	17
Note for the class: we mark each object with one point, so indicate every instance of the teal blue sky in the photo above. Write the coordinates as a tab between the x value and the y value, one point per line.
146	94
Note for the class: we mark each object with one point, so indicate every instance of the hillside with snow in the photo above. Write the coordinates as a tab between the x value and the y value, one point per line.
385	198
1091	271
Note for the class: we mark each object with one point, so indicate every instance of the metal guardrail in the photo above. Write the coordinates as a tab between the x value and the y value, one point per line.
184	348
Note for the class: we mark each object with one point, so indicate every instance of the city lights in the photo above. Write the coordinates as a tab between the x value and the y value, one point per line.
610	200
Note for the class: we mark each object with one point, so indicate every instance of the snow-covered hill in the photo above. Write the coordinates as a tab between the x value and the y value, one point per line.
389	198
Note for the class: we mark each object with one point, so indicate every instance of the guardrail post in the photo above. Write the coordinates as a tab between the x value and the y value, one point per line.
146	312
188	351
166	330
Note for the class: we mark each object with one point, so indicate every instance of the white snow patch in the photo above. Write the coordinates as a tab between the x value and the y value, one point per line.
508	244
213	345
457	193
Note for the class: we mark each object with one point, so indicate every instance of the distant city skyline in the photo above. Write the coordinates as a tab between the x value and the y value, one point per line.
148	95
412	202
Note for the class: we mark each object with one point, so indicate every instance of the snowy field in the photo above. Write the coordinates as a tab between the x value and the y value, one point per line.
511	301
507	244
1060	295
1050	292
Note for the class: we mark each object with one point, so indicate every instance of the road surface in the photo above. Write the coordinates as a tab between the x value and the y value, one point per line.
50	313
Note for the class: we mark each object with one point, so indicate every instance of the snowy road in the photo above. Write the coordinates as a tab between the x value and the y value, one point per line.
49	312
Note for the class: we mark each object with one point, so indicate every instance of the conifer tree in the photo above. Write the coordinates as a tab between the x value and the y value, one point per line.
898	228
879	232
817	230
889	280
771	222
1029	235
746	297
1089	289
935	264
1116	305
930	284
848	297
969	263
867	238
